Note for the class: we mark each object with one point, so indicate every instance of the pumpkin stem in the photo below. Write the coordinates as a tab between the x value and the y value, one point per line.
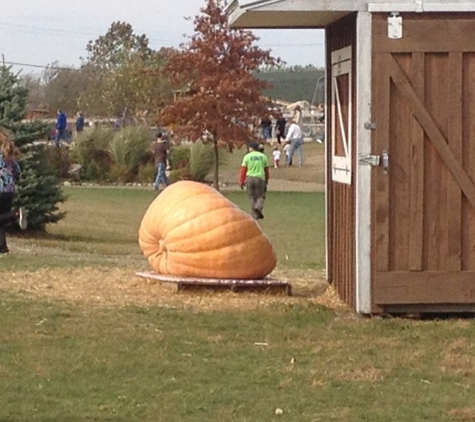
161	246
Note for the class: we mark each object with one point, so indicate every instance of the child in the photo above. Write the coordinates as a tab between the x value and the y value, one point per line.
276	156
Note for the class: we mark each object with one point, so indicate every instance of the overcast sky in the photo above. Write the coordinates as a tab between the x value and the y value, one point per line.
40	32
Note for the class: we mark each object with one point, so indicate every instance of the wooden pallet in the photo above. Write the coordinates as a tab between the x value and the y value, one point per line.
266	285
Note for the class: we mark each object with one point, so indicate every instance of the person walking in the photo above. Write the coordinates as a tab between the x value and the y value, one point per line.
9	174
61	124
160	154
295	137
266	125
280	128
254	175
80	122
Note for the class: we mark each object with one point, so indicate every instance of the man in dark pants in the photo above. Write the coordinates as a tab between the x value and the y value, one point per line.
61	124
280	128
160	154
254	175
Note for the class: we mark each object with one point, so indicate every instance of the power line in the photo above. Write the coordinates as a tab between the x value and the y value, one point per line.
35	29
39	66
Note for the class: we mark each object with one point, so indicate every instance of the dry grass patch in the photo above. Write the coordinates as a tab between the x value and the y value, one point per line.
122	287
462	415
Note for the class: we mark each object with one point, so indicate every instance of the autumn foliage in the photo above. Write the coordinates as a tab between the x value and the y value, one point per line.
216	92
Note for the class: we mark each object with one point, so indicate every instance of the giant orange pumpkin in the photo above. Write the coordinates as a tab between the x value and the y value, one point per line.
192	230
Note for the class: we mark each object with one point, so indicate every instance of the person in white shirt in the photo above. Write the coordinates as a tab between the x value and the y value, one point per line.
295	137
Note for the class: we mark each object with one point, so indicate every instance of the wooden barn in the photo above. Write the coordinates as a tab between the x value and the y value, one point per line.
400	99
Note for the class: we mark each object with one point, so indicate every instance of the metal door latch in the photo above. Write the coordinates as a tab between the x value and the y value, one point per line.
376	160
371	160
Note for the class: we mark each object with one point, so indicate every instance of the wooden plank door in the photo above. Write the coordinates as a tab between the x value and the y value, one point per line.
423	208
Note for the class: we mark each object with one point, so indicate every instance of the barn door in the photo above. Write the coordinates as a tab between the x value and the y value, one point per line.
423	218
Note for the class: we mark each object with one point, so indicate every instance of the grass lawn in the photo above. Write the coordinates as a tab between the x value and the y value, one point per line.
83	338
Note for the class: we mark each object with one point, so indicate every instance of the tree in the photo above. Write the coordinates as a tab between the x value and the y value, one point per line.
294	83
39	190
63	87
124	74
36	94
219	93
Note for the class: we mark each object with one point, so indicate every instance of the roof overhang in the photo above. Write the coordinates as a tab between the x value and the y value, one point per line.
420	6
269	14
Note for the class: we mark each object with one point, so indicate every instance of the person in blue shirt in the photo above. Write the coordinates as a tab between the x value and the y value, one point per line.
80	122
61	124
9	174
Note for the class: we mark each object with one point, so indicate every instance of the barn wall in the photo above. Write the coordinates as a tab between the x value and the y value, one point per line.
341	197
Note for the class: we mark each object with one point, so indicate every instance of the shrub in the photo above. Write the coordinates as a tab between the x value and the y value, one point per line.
194	162
131	147
147	173
58	159
120	173
91	150
180	157
179	174
202	160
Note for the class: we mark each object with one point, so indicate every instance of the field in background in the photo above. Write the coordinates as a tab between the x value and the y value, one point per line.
312	171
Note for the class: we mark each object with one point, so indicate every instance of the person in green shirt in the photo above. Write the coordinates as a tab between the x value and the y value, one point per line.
254	175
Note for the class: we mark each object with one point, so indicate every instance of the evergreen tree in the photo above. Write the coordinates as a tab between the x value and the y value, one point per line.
39	189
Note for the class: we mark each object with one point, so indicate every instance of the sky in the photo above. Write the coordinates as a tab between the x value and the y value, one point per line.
43	32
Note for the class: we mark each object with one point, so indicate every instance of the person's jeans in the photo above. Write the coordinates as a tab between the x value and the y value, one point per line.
58	136
161	176
295	146
267	132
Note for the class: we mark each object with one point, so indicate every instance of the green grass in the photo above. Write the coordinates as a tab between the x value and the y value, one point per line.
311	171
101	228
64	362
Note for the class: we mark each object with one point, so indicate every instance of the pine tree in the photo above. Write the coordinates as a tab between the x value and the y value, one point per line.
39	189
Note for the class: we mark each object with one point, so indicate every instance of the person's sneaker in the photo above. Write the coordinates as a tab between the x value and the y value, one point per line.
22	222
258	214
4	253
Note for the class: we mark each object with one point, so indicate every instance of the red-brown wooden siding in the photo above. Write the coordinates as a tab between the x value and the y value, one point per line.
341	197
